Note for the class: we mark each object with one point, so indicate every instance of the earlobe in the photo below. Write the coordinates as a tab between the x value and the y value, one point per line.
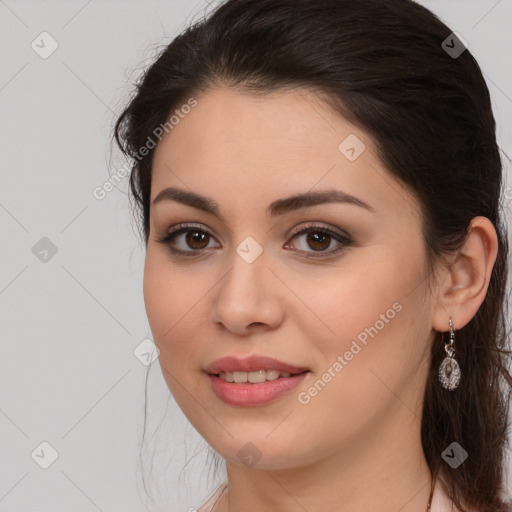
467	279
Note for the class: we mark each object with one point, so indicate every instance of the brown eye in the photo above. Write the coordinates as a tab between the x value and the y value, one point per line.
187	240
318	239
195	239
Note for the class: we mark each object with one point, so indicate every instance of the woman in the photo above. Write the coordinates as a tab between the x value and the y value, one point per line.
319	188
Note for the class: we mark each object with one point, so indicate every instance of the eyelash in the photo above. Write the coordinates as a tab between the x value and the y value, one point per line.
344	240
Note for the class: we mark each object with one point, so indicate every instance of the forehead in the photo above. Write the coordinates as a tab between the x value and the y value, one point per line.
231	126
243	146
243	121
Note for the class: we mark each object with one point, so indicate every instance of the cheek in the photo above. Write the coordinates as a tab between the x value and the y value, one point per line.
176	302
364	328
167	299
347	306
170	310
158	293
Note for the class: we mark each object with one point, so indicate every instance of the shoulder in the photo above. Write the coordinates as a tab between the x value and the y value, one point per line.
210	502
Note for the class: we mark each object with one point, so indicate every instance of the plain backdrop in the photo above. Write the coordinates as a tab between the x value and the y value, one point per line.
71	304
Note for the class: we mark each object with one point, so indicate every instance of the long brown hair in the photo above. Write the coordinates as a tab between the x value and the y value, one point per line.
383	65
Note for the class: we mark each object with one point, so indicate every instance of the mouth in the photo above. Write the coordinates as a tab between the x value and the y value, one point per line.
253	369
254	381
255	377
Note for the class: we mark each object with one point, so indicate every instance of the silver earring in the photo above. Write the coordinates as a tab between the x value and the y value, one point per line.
449	371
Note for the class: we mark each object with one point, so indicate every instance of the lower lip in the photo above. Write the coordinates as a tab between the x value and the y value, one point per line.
254	394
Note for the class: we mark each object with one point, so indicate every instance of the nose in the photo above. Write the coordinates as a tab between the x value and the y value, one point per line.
248	298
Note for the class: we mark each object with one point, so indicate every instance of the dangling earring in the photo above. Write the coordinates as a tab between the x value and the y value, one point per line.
449	371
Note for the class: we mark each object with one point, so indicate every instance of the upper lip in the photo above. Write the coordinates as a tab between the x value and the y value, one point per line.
250	364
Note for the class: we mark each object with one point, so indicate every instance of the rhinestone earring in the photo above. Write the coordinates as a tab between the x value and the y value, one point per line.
449	371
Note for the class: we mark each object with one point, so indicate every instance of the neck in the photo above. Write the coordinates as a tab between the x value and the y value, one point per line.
386	471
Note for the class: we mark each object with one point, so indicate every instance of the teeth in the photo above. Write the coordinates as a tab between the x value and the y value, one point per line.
257	377
253	377
239	377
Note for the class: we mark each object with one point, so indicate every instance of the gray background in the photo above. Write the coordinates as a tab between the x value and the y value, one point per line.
71	320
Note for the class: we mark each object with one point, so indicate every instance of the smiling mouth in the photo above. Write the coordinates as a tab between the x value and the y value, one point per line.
255	377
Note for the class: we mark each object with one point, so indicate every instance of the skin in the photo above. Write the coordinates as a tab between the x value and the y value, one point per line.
356	445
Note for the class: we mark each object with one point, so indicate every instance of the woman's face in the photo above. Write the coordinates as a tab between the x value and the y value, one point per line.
348	301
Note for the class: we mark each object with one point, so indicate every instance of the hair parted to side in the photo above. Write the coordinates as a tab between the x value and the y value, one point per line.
380	63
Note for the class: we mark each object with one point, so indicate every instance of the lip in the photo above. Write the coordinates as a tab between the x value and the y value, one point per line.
253	394
243	395
251	364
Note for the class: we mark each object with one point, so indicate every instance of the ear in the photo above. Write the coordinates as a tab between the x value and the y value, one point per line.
464	283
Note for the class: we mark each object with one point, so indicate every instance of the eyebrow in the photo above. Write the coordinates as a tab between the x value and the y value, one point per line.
275	209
